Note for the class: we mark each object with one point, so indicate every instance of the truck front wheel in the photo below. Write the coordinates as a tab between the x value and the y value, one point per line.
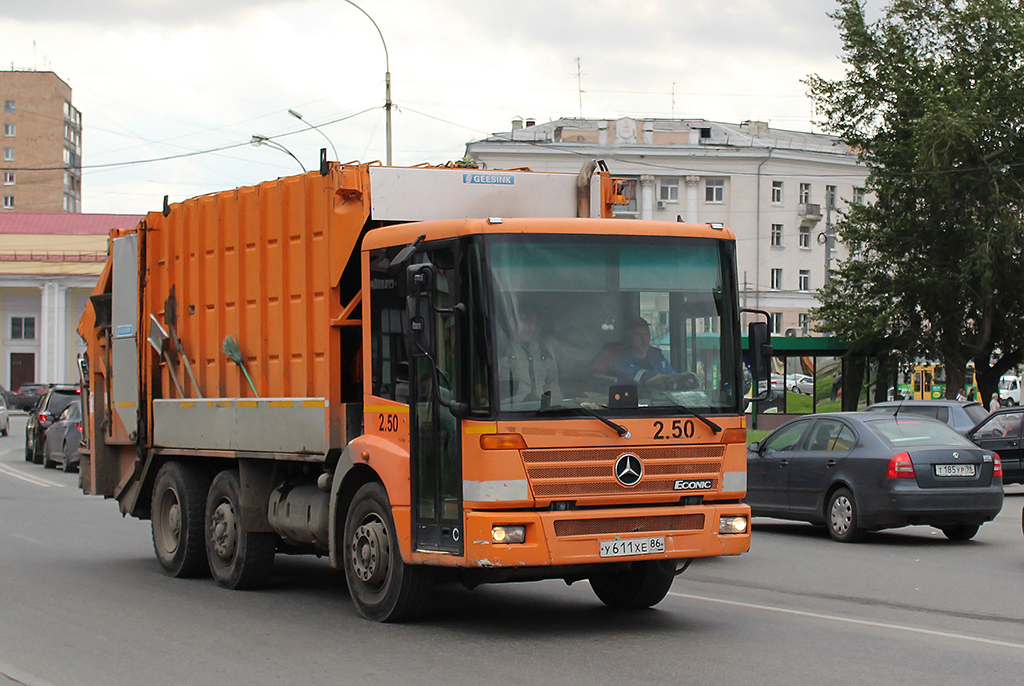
382	586
642	585
179	499
239	559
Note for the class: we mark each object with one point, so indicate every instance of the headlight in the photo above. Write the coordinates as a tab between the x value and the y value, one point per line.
508	534
732	525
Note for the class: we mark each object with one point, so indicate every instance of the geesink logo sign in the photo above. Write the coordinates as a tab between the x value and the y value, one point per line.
490	179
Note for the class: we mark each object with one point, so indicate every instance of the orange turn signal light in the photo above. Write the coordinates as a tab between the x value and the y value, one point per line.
734	436
502	442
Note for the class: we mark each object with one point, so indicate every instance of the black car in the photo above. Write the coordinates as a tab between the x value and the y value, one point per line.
43	415
959	415
29	394
861	471
1000	432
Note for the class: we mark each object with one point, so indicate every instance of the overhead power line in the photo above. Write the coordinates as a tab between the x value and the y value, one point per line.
181	155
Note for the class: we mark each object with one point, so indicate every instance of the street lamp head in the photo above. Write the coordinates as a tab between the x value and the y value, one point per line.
258	140
295	114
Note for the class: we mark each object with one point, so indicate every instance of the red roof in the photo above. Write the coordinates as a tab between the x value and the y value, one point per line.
66	223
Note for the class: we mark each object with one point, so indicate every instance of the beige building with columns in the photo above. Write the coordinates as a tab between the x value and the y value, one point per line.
776	189
49	264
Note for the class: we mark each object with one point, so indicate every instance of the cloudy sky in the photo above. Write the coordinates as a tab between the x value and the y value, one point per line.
159	78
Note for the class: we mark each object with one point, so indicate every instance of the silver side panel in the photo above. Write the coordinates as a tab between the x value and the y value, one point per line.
288	425
424	194
124	349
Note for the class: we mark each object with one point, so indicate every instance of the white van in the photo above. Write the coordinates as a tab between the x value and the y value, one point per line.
1009	390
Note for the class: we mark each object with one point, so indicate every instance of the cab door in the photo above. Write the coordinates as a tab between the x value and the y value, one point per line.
436	469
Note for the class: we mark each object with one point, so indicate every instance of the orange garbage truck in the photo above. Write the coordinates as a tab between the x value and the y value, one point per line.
426	374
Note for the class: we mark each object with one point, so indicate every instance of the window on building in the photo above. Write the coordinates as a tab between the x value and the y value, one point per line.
9	178
805	193
776	322
776	235
8	202
776	279
776	192
858	196
830	197
805	323
669	190
9	130
10	106
9	154
805	237
714	190
805	279
23	328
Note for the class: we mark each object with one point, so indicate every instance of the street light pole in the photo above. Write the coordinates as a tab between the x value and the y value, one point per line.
258	140
317	129
387	82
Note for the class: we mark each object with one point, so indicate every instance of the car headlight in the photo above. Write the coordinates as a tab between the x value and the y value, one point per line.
732	525
508	534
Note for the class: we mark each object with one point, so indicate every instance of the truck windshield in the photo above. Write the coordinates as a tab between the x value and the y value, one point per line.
613	322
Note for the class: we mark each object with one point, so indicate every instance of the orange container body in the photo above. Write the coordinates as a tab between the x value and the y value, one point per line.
260	265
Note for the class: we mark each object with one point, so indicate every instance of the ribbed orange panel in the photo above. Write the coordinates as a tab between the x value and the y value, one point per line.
256	264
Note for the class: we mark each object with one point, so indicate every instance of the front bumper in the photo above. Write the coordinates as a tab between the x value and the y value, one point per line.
572	537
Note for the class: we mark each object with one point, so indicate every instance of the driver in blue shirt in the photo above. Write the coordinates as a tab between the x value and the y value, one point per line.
639	362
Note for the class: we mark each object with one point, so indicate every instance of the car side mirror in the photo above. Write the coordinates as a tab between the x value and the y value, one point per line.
754	447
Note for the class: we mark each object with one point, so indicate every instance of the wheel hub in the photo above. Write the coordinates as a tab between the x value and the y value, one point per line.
170	522
224	531
841	515
371	553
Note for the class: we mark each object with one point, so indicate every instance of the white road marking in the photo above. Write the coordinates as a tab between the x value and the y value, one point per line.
847	620
20	677
34	480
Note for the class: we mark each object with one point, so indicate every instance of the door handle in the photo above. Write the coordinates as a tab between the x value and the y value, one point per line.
830	463
783	463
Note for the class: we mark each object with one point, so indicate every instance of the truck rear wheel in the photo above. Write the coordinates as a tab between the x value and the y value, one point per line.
642	585
382	586
179	500
238	558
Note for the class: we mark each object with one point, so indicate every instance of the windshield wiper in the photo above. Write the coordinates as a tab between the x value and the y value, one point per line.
715	428
619	429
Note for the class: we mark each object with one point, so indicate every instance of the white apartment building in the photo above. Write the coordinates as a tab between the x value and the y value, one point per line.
771	187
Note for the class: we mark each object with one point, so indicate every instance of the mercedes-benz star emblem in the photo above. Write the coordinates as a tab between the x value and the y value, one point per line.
628	470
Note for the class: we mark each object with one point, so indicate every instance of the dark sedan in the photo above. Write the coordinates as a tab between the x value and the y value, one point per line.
1001	433
856	472
43	415
63	439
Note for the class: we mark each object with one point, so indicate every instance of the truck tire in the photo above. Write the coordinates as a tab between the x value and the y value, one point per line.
239	559
642	585
178	503
382	586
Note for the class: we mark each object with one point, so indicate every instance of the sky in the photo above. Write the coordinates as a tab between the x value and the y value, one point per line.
156	79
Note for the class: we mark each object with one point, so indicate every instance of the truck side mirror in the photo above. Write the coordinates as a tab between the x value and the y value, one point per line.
419	306
760	341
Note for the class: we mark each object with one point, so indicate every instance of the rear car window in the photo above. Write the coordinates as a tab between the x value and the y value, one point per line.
976	412
60	400
902	434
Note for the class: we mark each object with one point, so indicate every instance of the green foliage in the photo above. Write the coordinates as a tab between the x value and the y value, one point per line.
932	101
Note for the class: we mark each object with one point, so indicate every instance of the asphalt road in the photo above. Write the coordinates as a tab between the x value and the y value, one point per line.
83	601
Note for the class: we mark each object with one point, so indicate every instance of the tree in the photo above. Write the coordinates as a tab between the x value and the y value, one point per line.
933	102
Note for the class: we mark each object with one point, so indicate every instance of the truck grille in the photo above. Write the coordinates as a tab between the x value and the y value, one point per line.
569	474
629	525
